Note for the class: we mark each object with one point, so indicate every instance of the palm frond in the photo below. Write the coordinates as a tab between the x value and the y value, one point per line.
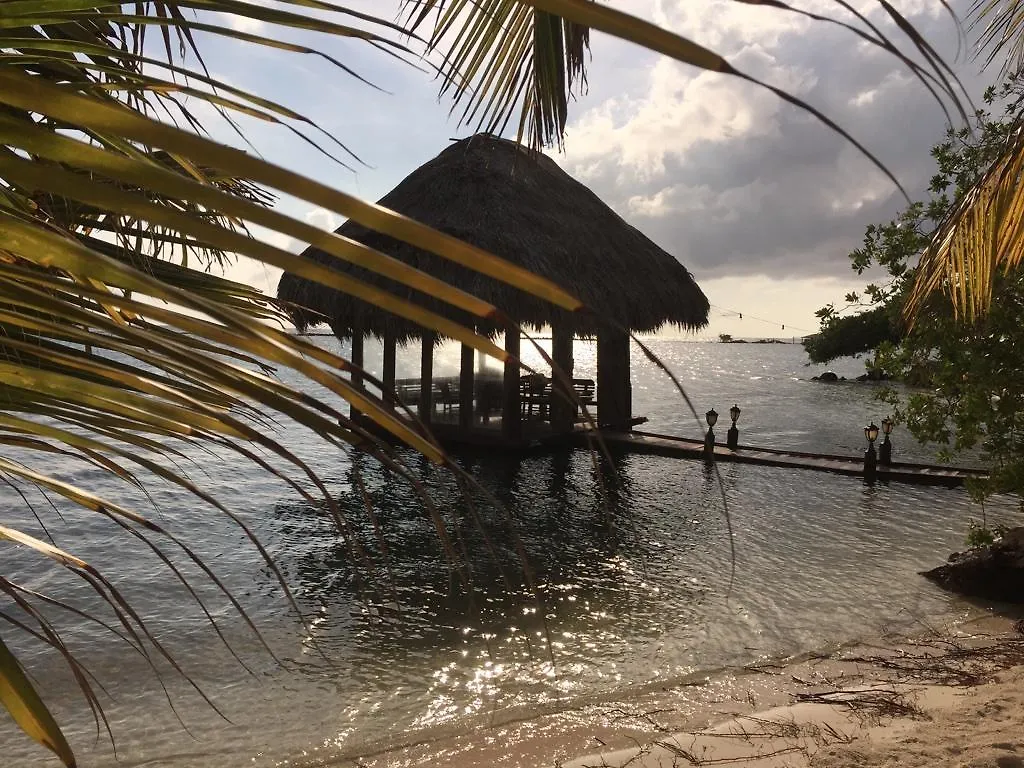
1000	28
502	57
983	236
20	698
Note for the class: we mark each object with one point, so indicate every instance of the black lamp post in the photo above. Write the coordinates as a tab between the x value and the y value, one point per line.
885	449
732	439
709	439
870	459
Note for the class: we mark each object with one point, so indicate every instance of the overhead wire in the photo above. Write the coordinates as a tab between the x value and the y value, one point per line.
741	315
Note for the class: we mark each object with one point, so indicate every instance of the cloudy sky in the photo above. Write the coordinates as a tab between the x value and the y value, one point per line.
761	202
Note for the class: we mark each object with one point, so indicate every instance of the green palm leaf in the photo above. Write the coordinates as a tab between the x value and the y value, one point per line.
982	236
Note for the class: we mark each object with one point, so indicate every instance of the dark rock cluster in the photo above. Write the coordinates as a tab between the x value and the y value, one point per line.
993	572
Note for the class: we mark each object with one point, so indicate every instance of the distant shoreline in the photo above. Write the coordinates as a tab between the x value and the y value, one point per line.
755	341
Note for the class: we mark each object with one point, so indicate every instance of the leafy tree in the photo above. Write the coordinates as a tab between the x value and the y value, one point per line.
974	396
975	393
851	335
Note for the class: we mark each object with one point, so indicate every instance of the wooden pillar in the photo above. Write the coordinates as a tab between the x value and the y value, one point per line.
563	406
426	408
356	357
511	410
466	388
388	374
614	391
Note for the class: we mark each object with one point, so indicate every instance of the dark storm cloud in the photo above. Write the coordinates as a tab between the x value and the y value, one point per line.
769	190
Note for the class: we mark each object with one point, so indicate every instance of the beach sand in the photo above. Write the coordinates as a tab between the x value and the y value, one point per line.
953	701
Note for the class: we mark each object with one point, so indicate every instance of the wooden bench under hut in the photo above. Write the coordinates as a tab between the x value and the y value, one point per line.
520	205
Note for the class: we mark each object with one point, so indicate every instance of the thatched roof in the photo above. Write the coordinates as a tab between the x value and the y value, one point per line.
517	204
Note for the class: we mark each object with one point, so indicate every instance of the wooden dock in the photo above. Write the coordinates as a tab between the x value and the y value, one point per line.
684	448
537	437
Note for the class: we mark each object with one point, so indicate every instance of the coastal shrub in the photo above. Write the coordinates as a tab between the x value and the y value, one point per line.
980	535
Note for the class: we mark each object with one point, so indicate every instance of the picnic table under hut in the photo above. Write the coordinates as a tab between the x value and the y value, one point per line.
518	204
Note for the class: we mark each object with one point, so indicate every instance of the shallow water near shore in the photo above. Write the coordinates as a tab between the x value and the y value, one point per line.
633	583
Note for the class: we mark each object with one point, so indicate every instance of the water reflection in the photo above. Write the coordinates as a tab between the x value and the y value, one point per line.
528	537
629	574
545	586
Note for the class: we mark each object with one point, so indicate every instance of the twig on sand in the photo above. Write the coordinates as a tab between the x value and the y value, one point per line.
934	661
692	759
941	662
875	703
762	734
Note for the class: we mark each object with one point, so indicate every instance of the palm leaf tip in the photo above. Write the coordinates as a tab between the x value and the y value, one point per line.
503	58
1000	28
21	700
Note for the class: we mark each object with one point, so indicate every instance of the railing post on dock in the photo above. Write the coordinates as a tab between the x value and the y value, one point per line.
885	449
870	458
732	438
709	439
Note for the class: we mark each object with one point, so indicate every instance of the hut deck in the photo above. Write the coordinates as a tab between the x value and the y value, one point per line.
684	448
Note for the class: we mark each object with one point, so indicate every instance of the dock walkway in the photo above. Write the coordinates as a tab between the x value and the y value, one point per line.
684	448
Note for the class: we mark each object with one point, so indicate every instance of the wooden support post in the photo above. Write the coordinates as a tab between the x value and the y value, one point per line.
466	388
709	445
511	405
426	407
614	391
356	358
388	374
563	406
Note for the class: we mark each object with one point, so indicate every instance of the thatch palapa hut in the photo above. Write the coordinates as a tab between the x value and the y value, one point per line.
519	205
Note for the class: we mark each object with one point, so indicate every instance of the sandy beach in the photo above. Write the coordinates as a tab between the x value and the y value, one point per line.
951	699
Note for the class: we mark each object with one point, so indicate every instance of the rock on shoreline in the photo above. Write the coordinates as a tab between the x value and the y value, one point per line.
993	572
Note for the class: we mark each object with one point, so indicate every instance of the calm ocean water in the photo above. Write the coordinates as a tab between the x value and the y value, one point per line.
632	581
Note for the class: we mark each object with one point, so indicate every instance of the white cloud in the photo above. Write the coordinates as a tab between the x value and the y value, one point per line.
864	98
730	178
324	219
725	25
256	273
672	200
658	204
241	23
679	112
